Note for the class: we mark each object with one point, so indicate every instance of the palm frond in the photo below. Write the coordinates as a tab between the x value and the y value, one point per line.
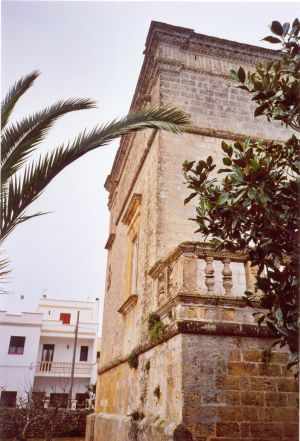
4	273
23	190
21	139
18	221
17	90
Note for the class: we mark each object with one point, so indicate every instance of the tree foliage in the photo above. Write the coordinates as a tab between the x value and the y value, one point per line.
23	181
254	206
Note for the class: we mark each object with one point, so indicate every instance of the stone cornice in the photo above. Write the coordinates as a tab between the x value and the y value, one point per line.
131	209
195	327
183	298
187	40
128	304
225	134
110	241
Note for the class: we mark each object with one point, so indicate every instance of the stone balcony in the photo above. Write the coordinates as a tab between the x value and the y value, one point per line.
194	278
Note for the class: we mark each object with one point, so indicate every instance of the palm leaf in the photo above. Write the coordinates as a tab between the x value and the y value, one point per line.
18	89
20	139
4	272
23	190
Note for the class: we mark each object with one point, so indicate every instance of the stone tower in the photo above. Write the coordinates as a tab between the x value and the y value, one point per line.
206	377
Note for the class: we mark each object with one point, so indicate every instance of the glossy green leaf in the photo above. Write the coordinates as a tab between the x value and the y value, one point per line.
227	161
190	197
251	193
234	75
276	28
271	39
222	198
241	75
285	27
260	110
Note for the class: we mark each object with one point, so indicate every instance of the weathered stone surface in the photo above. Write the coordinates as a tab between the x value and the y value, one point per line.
214	377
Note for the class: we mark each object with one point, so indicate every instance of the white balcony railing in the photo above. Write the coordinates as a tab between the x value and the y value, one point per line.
57	368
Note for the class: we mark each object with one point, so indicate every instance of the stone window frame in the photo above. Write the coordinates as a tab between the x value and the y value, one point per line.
131	218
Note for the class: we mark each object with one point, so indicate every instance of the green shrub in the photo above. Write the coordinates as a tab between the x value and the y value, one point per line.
155	326
147	366
136	415
157	392
133	359
152	319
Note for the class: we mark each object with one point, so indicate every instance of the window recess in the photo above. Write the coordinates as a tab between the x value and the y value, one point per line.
16	345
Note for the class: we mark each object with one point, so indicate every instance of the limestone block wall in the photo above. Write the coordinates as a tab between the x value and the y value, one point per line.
174	225
211	97
125	390
234	389
123	333
218	387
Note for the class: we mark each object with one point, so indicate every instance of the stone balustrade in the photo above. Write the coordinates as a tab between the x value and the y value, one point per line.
195	268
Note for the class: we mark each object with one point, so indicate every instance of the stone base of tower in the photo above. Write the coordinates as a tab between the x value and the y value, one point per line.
104	427
216	382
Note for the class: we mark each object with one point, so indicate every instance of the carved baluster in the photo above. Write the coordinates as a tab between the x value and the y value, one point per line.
161	289
250	276
227	276
168	281
167	277
209	275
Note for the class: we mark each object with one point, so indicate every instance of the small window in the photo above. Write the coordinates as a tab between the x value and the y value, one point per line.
8	398
38	399
84	350
65	318
134	265
16	345
82	400
131	218
58	400
98	355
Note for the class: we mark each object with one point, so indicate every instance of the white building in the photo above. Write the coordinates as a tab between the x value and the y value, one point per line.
20	337
37	350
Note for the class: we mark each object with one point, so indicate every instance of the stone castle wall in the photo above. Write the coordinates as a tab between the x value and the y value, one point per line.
215	378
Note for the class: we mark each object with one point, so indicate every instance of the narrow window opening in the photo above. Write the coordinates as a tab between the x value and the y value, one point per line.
16	345
84	350
8	398
134	266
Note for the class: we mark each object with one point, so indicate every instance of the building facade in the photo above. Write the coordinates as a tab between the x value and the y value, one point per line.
17	356
205	378
38	350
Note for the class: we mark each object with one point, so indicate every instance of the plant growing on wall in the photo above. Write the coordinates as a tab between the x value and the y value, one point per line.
254	207
156	327
157	392
147	366
137	415
133	360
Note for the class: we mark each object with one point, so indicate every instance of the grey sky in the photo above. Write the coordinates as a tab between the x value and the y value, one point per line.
91	49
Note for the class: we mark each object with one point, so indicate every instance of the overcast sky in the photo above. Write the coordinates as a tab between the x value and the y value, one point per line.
91	49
